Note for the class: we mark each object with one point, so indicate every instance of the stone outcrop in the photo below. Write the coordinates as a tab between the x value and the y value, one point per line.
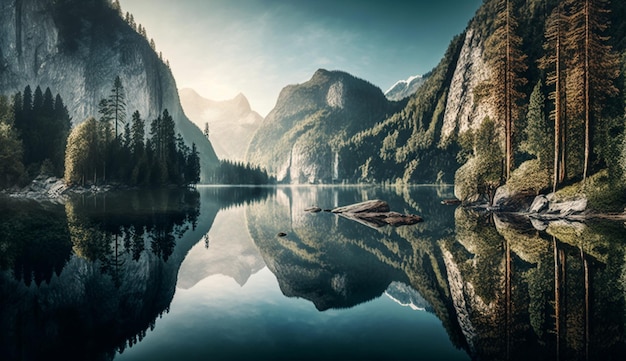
376	213
550	206
463	110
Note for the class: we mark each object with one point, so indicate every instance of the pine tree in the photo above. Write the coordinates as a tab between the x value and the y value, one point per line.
193	166
104	134
537	133
553	63
507	63
137	134
206	130
117	104
594	65
61	127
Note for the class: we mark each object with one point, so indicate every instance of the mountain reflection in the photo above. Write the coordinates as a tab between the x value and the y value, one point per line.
503	286
88	278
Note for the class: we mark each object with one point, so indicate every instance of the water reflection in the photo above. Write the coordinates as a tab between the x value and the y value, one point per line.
90	278
521	293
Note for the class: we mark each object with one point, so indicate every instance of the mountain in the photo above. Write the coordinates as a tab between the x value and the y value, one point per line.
405	88
429	140
77	48
299	139
232	123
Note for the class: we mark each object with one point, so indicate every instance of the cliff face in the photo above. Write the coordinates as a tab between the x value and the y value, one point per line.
299	139
77	49
232	123
463	111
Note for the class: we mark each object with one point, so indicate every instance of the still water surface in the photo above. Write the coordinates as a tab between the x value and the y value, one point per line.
196	275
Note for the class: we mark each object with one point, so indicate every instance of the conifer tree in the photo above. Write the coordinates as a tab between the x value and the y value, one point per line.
117	104
537	140
594	65
507	63
553	63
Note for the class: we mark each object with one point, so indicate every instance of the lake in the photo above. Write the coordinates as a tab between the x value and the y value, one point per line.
202	274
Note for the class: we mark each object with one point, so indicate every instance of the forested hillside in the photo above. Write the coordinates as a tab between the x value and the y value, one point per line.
77	47
547	73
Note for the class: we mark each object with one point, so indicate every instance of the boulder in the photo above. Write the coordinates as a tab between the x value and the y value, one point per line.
568	207
539	204
376	214
364	207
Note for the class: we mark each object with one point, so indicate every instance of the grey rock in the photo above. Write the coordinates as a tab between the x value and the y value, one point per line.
568	207
539	205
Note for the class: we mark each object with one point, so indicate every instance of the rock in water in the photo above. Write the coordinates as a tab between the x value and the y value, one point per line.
367	206
539	205
376	214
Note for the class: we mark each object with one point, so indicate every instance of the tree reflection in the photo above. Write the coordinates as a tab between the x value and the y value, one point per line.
34	240
120	277
132	223
503	287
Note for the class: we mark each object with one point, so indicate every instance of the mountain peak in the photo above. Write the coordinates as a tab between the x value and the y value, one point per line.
405	88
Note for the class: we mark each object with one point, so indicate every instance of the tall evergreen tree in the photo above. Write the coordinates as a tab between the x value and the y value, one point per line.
594	65
104	132
507	63
537	140
117	104
137	133
553	63
193	165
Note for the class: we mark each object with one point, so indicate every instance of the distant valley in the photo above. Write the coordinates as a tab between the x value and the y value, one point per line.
232	123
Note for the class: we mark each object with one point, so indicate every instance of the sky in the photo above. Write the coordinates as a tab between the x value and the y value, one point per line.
221	48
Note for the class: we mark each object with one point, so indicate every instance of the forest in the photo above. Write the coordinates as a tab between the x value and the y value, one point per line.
36	139
571	127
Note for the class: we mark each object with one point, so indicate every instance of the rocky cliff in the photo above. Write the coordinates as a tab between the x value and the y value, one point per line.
77	48
232	123
299	139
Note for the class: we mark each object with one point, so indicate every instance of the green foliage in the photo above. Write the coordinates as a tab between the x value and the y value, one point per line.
537	140
531	176
165	159
238	173
603	193
11	167
43	124
482	174
407	146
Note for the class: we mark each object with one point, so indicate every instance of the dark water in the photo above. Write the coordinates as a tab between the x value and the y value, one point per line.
202	275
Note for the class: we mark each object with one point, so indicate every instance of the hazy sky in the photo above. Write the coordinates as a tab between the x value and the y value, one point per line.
223	47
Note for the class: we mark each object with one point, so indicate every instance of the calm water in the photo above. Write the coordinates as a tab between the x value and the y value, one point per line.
199	275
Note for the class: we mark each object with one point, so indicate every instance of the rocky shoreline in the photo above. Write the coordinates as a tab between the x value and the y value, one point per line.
544	210
46	188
